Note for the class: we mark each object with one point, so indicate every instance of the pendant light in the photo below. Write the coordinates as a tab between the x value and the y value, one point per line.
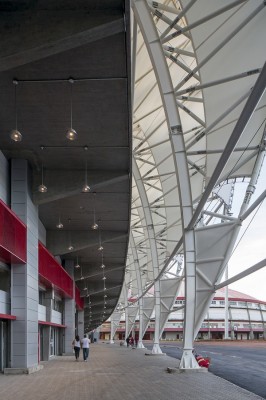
100	248
81	275
94	225
71	133
102	265
70	247
77	266
59	225
15	135
86	188
42	188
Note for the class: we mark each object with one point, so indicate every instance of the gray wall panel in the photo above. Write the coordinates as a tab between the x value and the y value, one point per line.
19	360
25	280
19	349
31	304
4	179
42	233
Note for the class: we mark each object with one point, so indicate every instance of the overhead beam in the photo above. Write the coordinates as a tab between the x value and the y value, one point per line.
62	184
241	124
70	41
58	241
243	274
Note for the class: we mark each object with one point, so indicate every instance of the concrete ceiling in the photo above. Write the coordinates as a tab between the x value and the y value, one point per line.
43	45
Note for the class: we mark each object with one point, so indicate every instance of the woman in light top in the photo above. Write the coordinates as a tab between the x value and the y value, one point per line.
76	345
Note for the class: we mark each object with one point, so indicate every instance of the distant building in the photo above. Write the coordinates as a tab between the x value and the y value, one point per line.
246	320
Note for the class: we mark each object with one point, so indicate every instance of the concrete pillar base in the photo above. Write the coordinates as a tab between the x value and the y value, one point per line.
156	349
21	371
171	370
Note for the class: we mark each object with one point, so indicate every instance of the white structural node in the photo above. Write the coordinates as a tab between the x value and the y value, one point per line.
199	111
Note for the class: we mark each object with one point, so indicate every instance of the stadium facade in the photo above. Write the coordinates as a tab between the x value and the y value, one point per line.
246	316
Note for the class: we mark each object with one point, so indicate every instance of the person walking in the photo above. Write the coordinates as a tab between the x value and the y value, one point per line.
76	346
85	342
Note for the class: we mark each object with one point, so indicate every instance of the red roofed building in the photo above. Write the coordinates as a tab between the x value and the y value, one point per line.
246	320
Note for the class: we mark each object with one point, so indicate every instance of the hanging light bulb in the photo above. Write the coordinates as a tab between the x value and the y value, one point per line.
15	135
42	188
59	225
77	266
94	225
102	265
71	133
70	247
100	248
86	188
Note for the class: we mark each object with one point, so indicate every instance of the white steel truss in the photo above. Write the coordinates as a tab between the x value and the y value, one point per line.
199	112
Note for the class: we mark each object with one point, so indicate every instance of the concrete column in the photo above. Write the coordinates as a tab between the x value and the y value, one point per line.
263	322
80	327
69	314
48	303
24	277
46	332
251	335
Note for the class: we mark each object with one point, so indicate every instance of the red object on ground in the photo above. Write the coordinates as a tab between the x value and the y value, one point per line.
203	362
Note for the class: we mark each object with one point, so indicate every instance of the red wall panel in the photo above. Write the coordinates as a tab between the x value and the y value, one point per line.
13	236
51	273
79	300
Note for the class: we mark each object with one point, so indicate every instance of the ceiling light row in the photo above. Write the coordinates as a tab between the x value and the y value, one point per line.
85	188
16	136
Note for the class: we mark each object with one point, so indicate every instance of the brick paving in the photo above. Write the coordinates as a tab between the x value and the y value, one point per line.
116	372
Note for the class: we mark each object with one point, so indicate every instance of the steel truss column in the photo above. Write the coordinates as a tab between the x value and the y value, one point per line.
156	53
125	291
153	249
137	270
243	214
112	330
115	319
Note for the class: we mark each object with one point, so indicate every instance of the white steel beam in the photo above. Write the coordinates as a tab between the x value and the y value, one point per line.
154	47
221	45
153	248
241	275
242	122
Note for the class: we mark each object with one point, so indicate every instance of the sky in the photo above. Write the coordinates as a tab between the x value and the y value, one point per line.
252	247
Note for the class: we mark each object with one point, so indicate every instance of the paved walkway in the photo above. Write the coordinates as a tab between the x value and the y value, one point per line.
117	373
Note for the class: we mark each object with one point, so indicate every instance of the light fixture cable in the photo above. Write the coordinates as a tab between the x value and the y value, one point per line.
71	133
86	187
42	188
94	225
15	135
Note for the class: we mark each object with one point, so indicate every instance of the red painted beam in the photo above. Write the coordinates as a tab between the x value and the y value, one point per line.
7	316
13	237
52	274
51	324
79	300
